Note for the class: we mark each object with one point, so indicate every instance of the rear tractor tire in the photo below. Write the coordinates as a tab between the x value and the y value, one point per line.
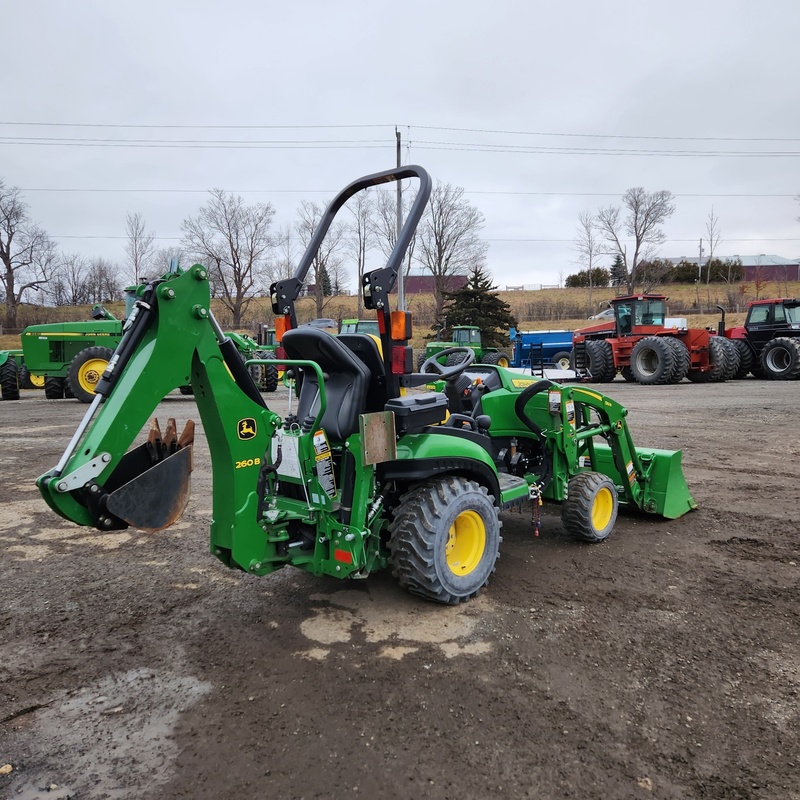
270	377
9	380
445	539
85	370
590	510
732	358
780	359
718	363
746	358
653	361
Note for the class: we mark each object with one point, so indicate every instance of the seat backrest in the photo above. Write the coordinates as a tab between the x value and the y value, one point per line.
346	383
365	347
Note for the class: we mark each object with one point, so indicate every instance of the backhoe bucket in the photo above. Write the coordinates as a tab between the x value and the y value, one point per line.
157	497
665	490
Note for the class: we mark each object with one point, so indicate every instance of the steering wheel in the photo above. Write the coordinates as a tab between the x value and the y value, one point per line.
431	366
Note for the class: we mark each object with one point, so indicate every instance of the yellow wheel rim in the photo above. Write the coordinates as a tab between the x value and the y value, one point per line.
37	381
502	362
466	543
602	508
91	372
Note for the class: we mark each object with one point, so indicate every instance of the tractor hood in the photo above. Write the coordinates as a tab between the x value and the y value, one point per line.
602	327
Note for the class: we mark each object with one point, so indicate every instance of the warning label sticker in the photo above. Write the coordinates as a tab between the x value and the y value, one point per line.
324	463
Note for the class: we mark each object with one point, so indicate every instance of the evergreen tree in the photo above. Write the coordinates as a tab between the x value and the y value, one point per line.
477	303
327	290
619	273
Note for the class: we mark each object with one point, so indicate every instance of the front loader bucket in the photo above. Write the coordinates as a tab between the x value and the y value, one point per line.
665	491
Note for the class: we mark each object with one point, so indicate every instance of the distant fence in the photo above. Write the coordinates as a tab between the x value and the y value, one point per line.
532	287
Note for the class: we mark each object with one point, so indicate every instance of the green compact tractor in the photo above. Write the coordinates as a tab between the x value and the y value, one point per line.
366	471
464	336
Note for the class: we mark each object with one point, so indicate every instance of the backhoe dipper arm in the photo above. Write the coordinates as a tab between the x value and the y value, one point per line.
174	341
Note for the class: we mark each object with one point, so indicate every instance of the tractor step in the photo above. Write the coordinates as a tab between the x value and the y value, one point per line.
513	490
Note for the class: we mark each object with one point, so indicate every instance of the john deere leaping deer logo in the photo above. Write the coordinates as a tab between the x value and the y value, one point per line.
246	428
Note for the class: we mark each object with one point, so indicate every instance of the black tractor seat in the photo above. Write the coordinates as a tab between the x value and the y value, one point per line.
347	380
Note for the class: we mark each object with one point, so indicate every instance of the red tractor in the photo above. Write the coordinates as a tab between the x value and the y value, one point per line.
647	347
769	341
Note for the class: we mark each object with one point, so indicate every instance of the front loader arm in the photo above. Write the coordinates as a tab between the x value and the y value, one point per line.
175	341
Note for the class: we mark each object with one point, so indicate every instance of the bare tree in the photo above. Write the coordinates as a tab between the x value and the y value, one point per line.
646	212
448	239
588	246
68	287
27	255
714	237
165	255
140	247
102	281
360	238
233	241
327	262
384	224
283	263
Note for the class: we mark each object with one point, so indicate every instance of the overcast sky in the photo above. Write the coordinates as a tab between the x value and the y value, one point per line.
538	110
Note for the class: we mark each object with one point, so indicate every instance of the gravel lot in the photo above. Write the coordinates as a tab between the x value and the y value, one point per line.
664	663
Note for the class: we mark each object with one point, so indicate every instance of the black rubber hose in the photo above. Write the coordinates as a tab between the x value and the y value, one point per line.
519	409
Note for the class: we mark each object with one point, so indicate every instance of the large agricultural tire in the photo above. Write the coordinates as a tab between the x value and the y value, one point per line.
270	377
562	360
718	363
590	510
746	358
9	380
682	359
85	370
421	358
600	358
627	374
732	358
500	359
780	359
25	381
718	356
54	388
454	358
186	390
652	361
445	539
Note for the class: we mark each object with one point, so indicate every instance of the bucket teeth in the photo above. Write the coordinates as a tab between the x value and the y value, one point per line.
187	437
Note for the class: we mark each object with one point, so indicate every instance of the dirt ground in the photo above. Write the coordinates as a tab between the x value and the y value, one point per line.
664	663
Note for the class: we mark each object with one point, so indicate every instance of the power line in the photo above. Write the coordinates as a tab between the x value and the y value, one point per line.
141	126
332	192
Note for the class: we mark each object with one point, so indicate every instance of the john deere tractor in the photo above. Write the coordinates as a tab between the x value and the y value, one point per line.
366	471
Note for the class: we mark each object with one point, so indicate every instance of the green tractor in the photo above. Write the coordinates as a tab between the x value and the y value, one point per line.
366	471
464	336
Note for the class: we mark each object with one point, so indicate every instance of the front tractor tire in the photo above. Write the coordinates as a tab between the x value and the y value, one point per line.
780	359
500	359
85	370
590	510
600	360
54	388
9	380
652	361
445	539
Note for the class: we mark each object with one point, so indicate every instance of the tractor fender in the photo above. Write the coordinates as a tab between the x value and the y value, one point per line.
739	332
427	455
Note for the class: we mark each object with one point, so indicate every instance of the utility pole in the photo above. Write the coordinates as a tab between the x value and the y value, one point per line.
401	292
700	263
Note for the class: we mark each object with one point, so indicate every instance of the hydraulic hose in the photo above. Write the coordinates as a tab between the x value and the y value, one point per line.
519	409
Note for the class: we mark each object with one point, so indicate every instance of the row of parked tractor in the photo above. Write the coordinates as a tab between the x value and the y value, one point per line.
67	359
644	345
639	341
